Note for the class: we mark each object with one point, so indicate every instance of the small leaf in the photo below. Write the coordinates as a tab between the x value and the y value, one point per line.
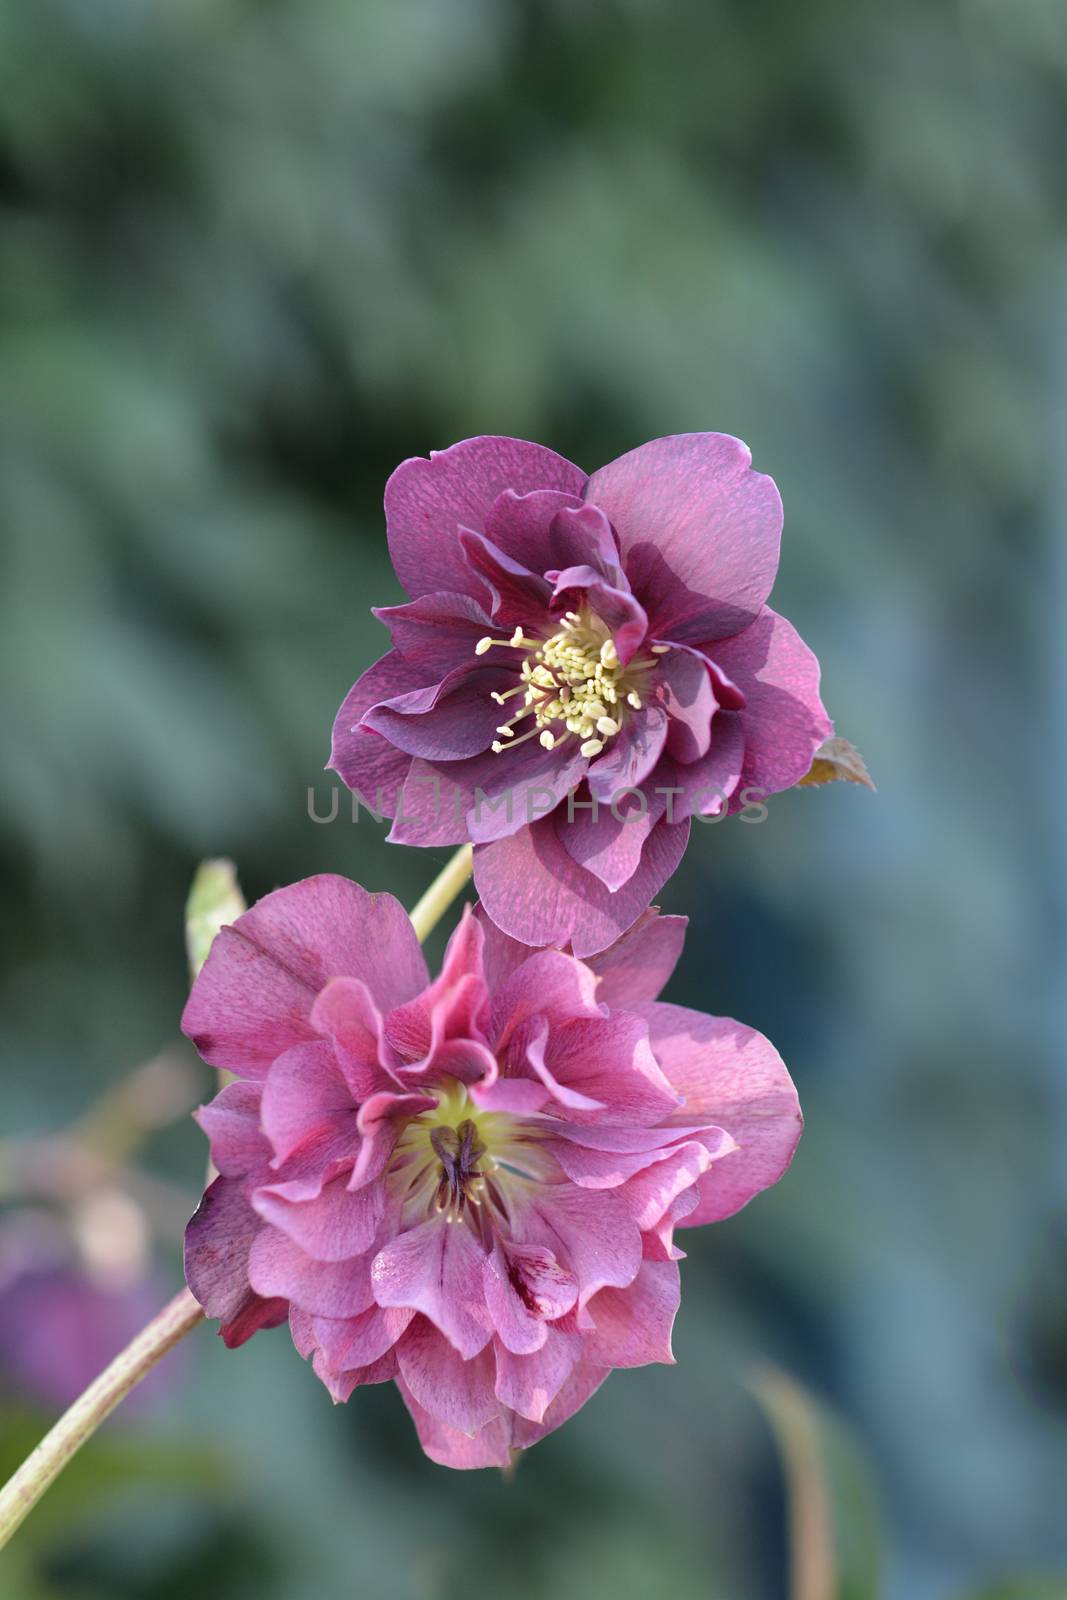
836	760
215	899
834	1526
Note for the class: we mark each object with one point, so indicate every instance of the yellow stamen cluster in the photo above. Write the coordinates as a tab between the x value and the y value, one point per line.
575	679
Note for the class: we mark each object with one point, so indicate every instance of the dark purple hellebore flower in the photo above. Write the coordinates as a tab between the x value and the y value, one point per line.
584	665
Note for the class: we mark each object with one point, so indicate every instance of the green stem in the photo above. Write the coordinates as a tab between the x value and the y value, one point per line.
19	1496
443	890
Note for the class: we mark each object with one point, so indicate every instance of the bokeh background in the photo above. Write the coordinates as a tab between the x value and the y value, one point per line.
253	254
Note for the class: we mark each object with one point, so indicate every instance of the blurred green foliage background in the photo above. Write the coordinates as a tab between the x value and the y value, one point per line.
255	252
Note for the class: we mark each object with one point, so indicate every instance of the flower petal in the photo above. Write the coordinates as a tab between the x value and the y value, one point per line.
698	529
436	1269
457	1392
637	966
231	1122
529	1383
732	1077
784	721
427	501
448	721
433	634
306	1098
217	1244
450	1448
533	891
334	1225
278	1266
633	1325
362	759
525	1289
252	999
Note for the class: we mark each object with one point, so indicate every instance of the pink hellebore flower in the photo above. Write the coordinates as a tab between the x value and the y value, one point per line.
584	665
468	1185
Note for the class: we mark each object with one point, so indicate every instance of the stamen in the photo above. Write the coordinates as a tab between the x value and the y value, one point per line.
592	747
659	649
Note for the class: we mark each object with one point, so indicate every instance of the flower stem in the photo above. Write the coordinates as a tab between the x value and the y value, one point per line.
443	890
19	1496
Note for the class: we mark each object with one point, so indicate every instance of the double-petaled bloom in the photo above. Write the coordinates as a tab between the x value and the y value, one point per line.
469	1185
585	664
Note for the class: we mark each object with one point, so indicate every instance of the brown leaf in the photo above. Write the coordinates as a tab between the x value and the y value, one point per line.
837	760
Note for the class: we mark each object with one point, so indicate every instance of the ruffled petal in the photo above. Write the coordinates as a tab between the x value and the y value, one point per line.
437	1269
217	1245
428	501
534	891
278	1266
636	967
457	1392
334	1225
733	1078
783	721
252	999
362	759
699	532
528	1384
633	1325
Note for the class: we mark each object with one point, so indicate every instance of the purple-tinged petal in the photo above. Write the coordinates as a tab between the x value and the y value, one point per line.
217	1244
633	1325
590	1232
347	1343
343	1385
436	1268
278	1266
449	721
231	1122
306	1098
582	1384
650	1194
252	999
528	1384
784	721
433	635
428	501
583	536
636	967
525	1289
611	1060
583	586
526	528
683	681
513	786
432	805
457	1392
335	1225
381	1121
610	844
517	1096
346	1013
731	1077
536	1037
450	1448
629	759
516	595
549	984
704	787
366	762
698	529
532	889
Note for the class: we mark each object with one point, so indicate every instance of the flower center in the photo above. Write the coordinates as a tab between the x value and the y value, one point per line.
458	1162
573	685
